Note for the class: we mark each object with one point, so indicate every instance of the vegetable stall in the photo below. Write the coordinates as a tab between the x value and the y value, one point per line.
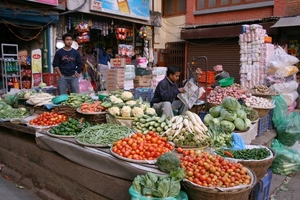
122	136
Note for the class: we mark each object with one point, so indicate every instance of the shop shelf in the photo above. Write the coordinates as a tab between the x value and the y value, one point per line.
261	190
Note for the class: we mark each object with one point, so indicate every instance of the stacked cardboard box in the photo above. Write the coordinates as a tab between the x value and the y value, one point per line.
142	81
115	79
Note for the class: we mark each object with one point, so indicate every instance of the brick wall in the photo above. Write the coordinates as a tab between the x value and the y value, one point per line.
280	7
240	15
292	7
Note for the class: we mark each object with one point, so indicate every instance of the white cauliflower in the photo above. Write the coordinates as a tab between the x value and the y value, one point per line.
115	111
150	111
144	105
130	102
125	111
126	95
115	99
136	111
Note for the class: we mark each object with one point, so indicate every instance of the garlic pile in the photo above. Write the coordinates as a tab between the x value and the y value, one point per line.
259	102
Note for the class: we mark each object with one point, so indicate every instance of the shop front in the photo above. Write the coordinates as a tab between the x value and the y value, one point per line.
25	28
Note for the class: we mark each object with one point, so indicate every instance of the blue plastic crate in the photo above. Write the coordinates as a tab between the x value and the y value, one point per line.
145	93
263	125
271	124
261	190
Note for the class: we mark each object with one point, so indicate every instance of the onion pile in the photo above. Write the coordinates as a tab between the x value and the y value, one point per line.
217	95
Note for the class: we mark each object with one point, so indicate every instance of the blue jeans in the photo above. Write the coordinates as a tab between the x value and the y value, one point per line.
68	81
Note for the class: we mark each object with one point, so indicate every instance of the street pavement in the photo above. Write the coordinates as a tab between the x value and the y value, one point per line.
12	191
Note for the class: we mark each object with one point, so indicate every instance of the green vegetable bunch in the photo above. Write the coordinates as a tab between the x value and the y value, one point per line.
70	127
151	185
246	154
168	162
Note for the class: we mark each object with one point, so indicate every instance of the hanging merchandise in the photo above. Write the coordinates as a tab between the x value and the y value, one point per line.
121	33
83	29
146	49
125	50
143	32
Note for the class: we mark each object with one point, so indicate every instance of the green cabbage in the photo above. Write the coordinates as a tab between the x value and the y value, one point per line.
215	111
231	103
207	119
240	124
227	125
248	122
228	115
215	122
241	114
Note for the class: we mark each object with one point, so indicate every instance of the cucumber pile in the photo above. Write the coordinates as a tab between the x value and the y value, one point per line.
146	123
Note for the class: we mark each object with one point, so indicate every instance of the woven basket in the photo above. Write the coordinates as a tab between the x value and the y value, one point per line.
262	111
94	119
259	167
205	193
69	111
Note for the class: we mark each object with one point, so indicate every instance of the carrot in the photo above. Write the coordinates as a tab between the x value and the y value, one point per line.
228	154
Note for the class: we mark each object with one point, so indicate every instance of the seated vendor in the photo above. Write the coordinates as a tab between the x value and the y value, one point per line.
219	74
195	78
165	99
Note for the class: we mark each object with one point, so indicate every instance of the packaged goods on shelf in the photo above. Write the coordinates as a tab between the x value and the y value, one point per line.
142	81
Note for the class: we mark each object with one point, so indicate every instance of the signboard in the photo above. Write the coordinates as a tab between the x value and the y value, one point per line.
130	8
48	2
36	67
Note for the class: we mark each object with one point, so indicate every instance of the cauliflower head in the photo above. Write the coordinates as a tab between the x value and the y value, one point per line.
126	95
125	111
114	111
136	111
115	99
130	102
145	105
150	111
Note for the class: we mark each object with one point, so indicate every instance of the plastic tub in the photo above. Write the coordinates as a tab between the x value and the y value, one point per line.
226	81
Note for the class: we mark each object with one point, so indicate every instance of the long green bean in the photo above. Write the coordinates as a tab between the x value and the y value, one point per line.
103	134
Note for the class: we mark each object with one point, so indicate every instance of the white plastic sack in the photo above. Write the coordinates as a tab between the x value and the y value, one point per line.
282	59
290	98
286	87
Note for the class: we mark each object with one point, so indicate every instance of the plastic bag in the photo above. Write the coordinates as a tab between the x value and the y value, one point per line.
286	71
85	85
286	87
238	142
280	110
281	59
286	161
288	131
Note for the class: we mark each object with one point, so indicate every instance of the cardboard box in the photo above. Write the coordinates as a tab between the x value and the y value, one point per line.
118	62
142	81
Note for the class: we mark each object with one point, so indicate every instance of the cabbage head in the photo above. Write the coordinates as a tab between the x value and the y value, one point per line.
215	123
241	114
248	122
227	125
240	124
228	115
215	111
231	103
207	119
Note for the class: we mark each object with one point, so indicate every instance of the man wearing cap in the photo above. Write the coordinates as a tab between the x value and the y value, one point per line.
219	74
195	79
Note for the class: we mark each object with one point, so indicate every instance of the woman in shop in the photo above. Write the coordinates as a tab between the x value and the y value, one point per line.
103	65
219	74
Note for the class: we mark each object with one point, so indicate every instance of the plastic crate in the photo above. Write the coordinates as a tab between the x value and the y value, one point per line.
52	91
50	79
145	93
271	124
210	77
263	125
202	115
261	190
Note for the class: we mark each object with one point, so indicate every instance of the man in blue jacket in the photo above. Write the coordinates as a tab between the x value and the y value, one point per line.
165	96
68	64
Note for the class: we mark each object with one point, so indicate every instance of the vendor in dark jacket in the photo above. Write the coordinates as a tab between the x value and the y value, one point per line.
165	99
219	74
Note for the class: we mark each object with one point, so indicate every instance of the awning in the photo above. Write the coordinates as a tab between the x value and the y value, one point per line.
287	21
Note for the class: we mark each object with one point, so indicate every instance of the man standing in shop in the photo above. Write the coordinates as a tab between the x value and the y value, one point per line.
104	58
165	99
68	64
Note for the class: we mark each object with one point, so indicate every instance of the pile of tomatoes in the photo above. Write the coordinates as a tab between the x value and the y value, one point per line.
142	147
213	171
48	119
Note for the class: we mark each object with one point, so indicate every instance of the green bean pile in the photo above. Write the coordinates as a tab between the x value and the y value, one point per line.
103	134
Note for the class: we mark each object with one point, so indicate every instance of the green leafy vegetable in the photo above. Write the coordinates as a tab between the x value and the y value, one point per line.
231	103
168	162
228	115
215	111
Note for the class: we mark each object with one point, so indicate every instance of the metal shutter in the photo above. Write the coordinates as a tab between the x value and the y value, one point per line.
224	51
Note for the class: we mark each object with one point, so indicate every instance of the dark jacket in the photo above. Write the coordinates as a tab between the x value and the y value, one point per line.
68	61
165	91
220	76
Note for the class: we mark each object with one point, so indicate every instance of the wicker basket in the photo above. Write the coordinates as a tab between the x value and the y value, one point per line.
262	111
67	110
205	193
94	119
259	167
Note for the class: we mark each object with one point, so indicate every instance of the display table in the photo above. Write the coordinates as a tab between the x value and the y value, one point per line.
249	135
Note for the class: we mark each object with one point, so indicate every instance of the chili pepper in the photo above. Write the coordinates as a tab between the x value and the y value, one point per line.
228	154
